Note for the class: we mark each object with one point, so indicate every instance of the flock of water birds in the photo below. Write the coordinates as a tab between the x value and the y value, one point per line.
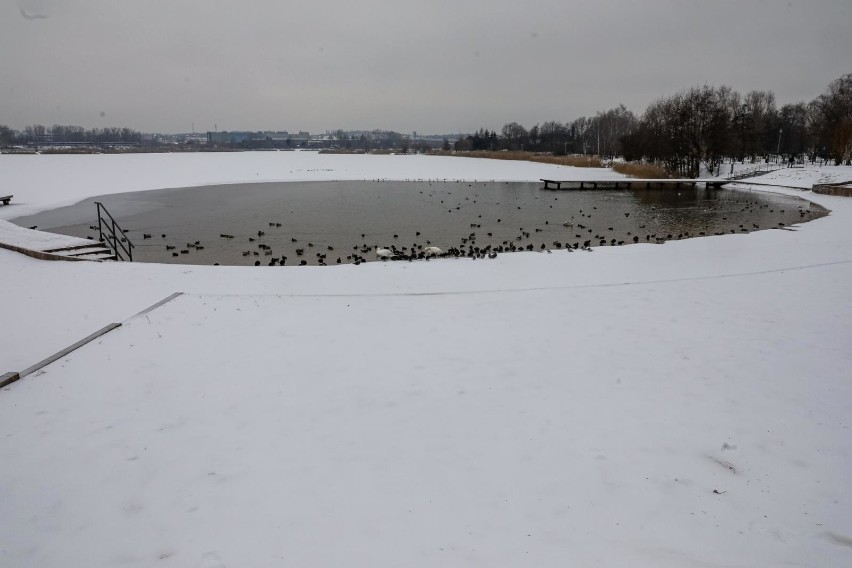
363	252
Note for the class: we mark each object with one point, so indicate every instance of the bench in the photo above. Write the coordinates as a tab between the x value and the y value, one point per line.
6	199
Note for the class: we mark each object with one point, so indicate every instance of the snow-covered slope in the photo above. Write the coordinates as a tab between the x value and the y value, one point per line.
676	405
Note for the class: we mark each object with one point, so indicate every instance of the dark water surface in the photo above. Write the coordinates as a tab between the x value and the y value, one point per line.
329	218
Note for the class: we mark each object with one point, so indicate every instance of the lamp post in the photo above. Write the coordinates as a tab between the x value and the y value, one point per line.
778	150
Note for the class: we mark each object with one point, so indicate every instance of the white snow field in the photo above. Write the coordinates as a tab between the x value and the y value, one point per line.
683	405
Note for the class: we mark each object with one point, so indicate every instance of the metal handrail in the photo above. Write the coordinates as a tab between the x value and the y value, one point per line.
757	169
114	229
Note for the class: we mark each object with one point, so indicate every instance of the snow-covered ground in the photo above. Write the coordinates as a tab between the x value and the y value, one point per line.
676	405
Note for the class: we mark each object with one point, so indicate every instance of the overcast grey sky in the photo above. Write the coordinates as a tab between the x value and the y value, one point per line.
434	66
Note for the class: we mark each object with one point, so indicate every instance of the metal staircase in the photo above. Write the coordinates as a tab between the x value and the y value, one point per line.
113	236
94	251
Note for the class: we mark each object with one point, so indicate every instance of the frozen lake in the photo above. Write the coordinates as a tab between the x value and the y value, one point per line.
345	220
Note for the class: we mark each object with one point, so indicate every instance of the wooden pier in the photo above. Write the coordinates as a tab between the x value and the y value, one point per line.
631	183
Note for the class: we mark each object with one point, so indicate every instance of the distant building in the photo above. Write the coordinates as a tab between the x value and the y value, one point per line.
248	138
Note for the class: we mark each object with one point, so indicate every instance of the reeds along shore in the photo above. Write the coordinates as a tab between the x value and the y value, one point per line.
576	161
631	169
641	170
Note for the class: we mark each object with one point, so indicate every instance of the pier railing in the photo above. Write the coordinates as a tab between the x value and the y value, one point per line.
754	171
113	235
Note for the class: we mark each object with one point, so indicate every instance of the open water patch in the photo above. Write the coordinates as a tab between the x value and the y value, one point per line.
344	221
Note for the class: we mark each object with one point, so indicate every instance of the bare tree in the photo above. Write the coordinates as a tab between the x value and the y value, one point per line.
7	136
831	121
514	136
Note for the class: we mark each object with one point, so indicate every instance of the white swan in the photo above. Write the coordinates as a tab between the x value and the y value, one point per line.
383	253
432	250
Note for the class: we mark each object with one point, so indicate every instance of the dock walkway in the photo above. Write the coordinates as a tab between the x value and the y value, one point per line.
631	183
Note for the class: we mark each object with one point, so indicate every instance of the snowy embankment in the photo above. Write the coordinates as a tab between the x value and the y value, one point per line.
13	235
676	405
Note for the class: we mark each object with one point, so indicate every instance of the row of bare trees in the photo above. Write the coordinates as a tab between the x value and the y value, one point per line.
698	127
600	134
703	125
830	120
58	134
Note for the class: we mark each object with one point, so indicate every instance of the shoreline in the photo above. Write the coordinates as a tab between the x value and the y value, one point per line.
542	219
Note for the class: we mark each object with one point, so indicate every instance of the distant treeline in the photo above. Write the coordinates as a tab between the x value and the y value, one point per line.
695	127
599	135
57	134
701	125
